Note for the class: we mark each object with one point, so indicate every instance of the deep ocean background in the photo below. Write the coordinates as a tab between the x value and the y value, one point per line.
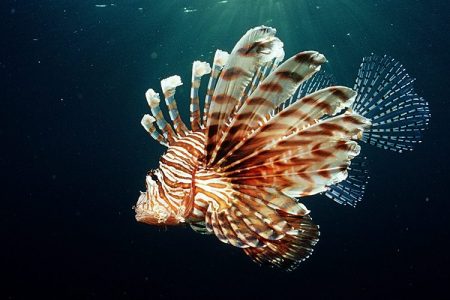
73	155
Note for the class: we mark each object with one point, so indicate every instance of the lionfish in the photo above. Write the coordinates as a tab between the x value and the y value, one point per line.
272	132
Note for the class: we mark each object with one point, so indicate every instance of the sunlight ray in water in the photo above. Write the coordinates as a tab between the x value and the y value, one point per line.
305	24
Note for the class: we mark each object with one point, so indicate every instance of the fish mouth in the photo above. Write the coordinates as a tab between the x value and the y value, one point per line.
150	212
141	218
146	217
142	208
154	219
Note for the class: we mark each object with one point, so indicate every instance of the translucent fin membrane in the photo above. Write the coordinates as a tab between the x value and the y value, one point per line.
387	97
220	59
262	72
257	47
257	78
318	81
351	190
265	70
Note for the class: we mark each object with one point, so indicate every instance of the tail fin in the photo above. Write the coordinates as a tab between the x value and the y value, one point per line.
386	96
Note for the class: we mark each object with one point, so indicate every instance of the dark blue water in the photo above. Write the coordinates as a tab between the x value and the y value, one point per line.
73	157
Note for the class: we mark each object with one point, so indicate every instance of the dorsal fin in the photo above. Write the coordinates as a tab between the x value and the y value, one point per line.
168	86
153	101
220	59
148	123
199	69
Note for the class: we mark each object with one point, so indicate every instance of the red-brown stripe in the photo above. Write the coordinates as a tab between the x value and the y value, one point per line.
295	77
307	58
232	73
252	49
352	120
324	173
342	145
332	127
315	102
339	93
271	87
260	101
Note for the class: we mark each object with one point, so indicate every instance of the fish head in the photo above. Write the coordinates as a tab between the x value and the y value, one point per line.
151	208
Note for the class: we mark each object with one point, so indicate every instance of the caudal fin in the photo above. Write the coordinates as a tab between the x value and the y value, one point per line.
386	96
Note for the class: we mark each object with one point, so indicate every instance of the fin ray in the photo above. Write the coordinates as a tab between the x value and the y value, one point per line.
270	93
351	190
258	46
386	96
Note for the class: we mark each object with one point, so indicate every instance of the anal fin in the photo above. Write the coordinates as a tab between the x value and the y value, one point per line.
199	227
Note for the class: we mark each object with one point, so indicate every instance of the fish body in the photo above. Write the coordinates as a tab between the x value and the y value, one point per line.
172	187
271	133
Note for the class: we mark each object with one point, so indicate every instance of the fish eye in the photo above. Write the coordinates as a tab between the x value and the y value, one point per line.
153	175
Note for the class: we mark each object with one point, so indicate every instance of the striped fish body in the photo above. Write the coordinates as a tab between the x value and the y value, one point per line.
270	134
183	185
169	198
